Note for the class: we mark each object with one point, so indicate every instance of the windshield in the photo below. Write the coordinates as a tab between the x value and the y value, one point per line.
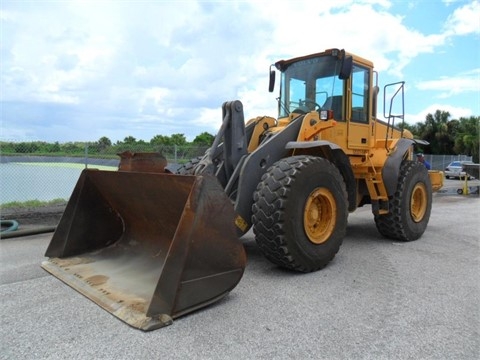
312	84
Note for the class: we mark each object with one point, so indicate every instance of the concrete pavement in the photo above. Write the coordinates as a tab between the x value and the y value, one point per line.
378	299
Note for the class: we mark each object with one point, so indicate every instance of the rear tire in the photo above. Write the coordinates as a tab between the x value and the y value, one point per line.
410	206
189	167
300	213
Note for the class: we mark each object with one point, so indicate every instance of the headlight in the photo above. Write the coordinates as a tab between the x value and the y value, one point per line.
326	114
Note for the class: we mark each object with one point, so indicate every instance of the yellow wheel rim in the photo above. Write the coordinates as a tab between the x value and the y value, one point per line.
319	217
418	202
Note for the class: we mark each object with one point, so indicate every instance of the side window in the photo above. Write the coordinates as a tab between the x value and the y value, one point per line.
297	92
329	94
360	87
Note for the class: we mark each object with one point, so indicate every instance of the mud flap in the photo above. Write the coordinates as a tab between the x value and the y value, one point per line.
147	247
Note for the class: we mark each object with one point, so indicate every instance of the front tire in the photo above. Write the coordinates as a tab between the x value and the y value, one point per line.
410	206
300	213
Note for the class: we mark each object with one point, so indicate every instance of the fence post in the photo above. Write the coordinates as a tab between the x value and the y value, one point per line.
86	156
175	153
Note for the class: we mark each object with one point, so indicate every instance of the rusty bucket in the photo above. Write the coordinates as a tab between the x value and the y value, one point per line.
147	247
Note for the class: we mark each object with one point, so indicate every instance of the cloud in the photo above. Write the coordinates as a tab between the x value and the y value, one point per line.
449	86
382	38
455	112
464	20
166	67
67	62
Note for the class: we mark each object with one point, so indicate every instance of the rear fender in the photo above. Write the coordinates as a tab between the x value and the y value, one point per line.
391	169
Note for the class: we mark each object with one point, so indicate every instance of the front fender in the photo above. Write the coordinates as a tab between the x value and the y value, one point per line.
337	156
310	144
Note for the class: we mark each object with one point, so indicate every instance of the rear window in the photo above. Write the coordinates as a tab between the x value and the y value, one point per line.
456	163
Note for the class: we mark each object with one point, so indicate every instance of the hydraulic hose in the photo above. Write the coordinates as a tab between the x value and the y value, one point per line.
12	231
9	225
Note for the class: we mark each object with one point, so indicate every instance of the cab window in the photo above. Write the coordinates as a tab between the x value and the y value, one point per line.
360	91
329	93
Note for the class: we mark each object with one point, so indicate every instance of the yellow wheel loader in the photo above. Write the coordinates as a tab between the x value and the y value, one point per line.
149	244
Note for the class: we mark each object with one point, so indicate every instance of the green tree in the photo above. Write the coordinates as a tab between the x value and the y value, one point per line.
103	143
467	137
204	139
72	148
178	139
7	147
53	148
436	132
26	147
130	140
161	140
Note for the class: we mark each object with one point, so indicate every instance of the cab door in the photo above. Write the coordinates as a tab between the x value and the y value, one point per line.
358	108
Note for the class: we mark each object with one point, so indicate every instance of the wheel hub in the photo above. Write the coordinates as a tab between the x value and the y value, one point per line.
418	202
319	215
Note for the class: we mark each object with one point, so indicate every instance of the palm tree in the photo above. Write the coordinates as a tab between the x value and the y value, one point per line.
436	132
467	139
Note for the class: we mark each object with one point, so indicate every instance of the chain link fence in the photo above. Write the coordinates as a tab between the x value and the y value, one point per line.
440	162
44	172
40	172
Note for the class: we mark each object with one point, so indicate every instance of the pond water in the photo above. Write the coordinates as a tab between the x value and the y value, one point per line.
35	181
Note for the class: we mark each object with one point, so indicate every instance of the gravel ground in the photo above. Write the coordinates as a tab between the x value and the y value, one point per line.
378	299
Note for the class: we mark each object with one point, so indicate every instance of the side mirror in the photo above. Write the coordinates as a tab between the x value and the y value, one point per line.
271	81
346	69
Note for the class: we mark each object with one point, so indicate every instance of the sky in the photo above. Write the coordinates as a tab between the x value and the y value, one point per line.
80	70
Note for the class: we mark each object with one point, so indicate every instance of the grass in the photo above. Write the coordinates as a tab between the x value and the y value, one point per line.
32	203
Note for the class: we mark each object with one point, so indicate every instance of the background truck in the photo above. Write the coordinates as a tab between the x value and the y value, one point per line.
150	244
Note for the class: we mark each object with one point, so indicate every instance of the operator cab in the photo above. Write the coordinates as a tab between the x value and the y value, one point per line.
318	82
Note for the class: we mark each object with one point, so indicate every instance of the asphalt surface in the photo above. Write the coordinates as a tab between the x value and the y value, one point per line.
378	299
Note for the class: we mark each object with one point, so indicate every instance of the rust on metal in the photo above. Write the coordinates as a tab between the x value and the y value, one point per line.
147	247
142	162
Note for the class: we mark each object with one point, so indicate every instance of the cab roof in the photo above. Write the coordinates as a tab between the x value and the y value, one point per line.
282	65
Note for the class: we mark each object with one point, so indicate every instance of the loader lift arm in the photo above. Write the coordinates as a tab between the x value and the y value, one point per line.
229	145
229	160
